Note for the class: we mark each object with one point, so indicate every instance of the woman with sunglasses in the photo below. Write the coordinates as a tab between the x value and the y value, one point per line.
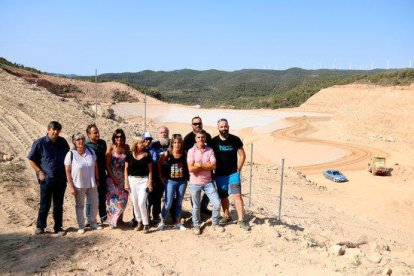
173	171
117	196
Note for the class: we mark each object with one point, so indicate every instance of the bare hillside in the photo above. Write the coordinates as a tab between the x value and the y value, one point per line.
314	237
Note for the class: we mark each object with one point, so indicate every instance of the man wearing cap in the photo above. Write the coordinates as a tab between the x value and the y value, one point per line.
230	157
47	157
154	197
189	141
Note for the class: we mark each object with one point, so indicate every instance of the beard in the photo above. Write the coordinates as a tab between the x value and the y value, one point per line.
164	142
224	133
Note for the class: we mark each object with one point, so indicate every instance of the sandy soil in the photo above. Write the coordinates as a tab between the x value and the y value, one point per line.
369	216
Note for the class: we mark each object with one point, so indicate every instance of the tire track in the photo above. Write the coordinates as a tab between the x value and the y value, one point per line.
357	158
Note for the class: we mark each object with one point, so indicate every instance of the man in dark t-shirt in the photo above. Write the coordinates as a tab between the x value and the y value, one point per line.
230	157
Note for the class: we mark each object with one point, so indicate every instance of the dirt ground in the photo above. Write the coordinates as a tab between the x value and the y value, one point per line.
361	227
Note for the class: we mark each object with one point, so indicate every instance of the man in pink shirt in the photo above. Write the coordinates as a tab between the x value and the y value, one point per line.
201	162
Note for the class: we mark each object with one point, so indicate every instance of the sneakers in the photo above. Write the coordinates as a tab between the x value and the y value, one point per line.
60	232
196	230
160	226
244	225
180	227
224	220
218	228
39	231
81	231
146	229
95	226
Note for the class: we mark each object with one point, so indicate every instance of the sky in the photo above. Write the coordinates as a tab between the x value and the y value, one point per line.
78	36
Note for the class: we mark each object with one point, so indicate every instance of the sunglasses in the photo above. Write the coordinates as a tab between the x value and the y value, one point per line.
197	124
119	137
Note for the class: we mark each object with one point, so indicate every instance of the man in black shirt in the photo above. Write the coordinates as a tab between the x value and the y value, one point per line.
189	141
230	157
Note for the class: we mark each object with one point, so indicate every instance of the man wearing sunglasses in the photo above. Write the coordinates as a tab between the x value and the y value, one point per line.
189	141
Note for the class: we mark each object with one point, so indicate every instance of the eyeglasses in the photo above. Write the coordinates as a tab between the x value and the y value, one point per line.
197	124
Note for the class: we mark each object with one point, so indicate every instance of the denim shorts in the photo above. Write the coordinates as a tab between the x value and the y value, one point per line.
228	185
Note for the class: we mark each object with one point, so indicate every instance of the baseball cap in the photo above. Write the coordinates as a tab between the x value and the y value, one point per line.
147	135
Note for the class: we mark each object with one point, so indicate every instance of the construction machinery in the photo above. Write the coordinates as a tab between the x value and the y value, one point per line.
377	166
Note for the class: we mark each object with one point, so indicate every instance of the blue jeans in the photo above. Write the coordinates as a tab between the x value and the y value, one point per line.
102	190
177	189
211	192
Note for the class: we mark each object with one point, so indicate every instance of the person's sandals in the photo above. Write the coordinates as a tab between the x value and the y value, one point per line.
146	229
139	227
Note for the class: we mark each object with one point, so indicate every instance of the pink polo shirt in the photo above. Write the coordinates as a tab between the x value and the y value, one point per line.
202	156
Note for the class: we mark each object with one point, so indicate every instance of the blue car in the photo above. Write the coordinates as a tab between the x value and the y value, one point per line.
335	175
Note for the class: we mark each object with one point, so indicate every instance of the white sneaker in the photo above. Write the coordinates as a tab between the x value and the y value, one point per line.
81	231
180	227
160	226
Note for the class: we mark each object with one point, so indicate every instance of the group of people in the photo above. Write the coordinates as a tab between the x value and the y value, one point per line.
148	170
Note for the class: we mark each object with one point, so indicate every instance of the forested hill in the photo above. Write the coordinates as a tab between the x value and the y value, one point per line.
249	88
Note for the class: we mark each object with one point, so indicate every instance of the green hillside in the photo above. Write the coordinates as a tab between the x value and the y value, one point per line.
244	88
249	88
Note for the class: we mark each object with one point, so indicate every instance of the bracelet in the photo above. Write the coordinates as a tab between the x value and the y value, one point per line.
39	171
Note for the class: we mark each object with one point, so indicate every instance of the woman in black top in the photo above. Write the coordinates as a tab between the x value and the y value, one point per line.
138	178
173	171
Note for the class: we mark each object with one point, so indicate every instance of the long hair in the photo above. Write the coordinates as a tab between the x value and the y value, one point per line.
179	138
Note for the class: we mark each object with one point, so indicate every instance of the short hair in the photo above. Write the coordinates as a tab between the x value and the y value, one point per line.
55	125
201	131
77	136
164	127
89	128
179	138
139	139
197	117
116	132
222	120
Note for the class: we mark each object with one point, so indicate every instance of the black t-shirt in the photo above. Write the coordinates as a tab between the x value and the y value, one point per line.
138	167
189	141
175	168
226	153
